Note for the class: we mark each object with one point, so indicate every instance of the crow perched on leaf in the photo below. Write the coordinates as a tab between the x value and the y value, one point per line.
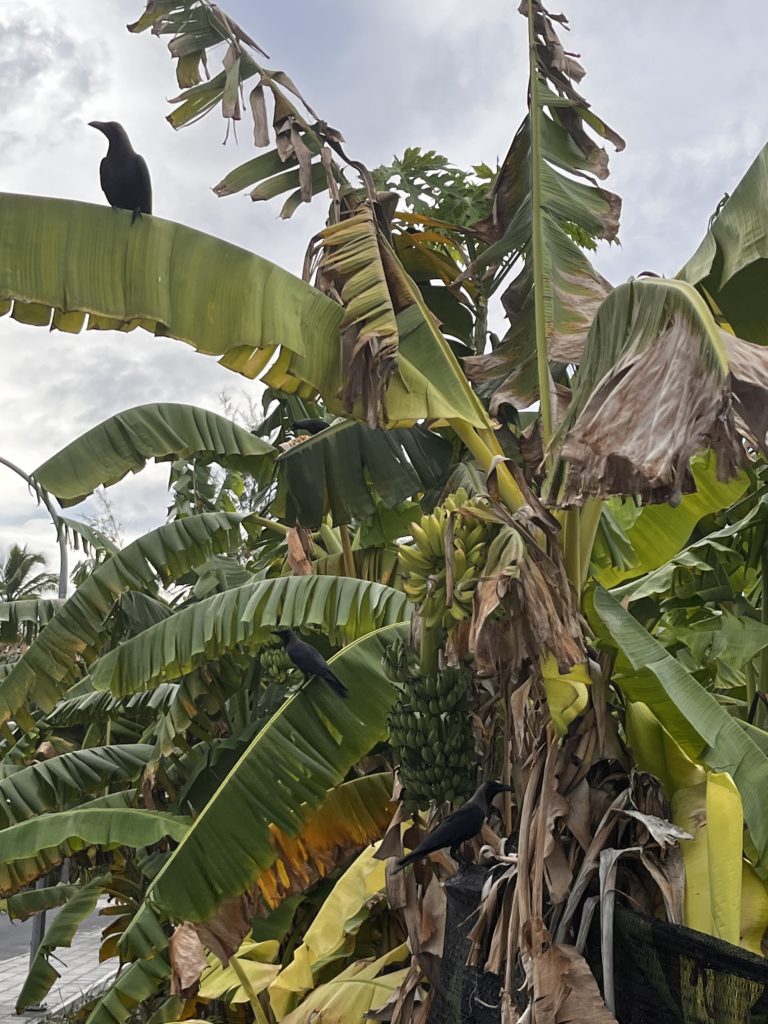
457	827
310	661
310	426
124	174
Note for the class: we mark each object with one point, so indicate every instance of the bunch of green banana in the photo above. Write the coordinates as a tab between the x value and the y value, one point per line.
423	562
276	667
430	732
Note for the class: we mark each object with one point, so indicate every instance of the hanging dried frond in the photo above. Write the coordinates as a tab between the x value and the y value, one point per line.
357	266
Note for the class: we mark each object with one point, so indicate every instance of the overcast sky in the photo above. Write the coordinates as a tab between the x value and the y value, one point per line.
682	82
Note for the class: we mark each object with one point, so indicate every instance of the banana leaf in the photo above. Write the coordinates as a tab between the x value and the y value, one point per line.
64	262
33	847
58	782
83	535
651	393
74	633
351	816
123	444
304	750
341	607
692	716
35	612
42	974
331	934
337	468
137	982
536	209
656	533
730	266
22	905
355	992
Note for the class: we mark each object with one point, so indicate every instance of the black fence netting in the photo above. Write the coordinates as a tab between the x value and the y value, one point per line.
666	974
663	974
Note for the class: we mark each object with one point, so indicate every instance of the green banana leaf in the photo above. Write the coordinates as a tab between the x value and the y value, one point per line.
135	983
337	468
33	847
87	537
58	782
304	750
536	210
62	930
730	265
73	634
694	556
64	261
656	533
22	905
340	606
35	612
691	715
123	443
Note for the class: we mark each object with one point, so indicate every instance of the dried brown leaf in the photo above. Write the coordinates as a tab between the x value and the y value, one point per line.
565	991
260	118
299	542
188	960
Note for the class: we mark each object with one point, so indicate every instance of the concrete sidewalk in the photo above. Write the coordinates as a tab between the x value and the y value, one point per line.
80	972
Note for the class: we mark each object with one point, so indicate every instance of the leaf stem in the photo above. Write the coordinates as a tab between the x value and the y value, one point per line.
346	547
510	493
537	232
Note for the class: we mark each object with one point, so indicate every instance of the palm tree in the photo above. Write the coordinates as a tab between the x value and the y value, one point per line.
16	576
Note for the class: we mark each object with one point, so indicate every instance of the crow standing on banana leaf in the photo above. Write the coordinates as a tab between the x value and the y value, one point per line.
462	824
124	174
309	661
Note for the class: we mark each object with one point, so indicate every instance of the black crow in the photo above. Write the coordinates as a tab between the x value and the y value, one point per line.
124	174
462	824
310	426
310	661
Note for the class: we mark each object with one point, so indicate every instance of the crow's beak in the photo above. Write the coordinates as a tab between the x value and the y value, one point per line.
98	125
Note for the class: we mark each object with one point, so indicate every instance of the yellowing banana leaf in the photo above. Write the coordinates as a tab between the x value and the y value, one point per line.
731	263
651	393
360	988
33	847
656	752
52	661
692	716
255	960
567	693
336	469
329	935
123	444
60	932
353	814
657	533
304	750
58	782
725	844
341	607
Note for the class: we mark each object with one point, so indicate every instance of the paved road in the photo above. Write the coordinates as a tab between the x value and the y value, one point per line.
15	935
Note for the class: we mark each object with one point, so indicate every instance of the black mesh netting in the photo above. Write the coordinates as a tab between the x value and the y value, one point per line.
664	974
465	995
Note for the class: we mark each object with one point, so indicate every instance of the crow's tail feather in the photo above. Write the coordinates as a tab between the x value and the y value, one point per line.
336	685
